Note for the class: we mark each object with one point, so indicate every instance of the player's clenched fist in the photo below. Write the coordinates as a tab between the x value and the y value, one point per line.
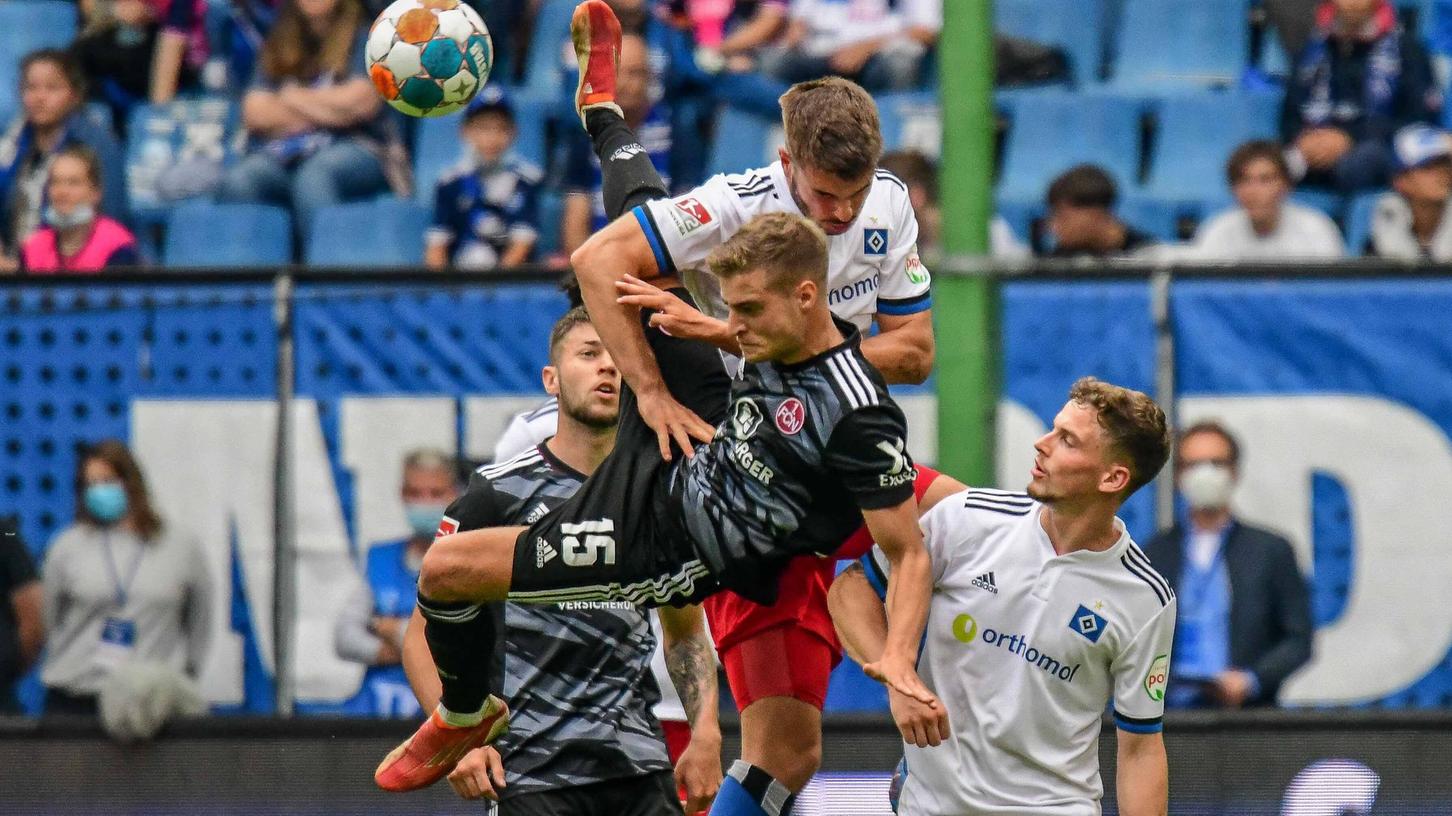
479	775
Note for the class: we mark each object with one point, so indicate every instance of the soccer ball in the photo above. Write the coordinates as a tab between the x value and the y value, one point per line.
428	57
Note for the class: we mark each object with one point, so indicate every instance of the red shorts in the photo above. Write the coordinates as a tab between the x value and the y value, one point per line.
797	624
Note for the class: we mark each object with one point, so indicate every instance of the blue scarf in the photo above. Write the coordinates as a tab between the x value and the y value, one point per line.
1384	67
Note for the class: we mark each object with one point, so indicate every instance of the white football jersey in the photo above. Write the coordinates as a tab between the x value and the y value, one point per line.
1026	648
872	267
531	428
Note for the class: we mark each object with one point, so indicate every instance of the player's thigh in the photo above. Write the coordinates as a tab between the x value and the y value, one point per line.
476	565
784	661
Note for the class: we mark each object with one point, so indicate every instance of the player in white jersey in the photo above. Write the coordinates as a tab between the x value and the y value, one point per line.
1043	612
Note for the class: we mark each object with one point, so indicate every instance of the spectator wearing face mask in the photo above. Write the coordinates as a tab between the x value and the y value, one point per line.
121	588
74	236
1244	609
370	629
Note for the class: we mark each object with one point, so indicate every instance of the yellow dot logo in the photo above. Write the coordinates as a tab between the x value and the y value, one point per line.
965	628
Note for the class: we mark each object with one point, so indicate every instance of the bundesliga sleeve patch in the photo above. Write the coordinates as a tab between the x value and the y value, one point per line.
689	215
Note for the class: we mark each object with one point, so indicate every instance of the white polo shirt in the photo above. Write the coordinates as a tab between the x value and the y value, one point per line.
872	268
1026	648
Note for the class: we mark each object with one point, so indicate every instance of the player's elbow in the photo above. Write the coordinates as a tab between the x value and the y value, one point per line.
440	574
588	260
918	365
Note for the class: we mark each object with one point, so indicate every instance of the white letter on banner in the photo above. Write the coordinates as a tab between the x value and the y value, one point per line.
376	434
1397	469
210	464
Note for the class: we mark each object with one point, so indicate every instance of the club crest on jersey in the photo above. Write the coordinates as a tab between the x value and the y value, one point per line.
874	241
1088	623
745	418
690	215
790	416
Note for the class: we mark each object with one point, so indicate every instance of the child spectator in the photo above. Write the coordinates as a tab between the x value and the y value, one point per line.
317	134
485	211
51	92
1412	221
1265	227
76	237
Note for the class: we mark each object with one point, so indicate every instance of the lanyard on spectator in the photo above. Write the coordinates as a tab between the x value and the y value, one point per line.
122	589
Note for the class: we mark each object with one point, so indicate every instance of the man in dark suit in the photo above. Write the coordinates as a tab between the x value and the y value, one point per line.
1245	612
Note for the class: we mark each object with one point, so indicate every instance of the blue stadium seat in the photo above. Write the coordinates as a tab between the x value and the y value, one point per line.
1333	204
386	231
1076	26
1173	43
207	234
911	121
743	141
25	26
1055	130
438	145
1358	222
1197	133
1157	216
544	66
160	136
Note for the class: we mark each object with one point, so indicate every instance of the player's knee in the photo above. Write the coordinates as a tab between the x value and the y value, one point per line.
793	759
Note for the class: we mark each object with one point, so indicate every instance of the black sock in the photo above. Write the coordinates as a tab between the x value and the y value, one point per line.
461	637
628	177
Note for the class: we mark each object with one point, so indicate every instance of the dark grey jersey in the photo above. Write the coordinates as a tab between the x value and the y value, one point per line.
805	449
576	676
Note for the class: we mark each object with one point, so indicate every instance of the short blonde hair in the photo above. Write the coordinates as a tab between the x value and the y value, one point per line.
788	247
1135	425
831	125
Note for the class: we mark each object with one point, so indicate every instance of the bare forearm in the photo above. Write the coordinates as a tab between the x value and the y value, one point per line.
335	107
909	587
418	665
166	65
693	672
858	616
26	604
903	349
436	256
598	265
264	113
516	253
1143	780
759	31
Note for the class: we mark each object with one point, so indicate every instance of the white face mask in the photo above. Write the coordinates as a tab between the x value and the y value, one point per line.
1207	486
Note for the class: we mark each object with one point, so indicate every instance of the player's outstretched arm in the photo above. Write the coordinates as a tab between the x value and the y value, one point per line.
691	662
909	587
676	317
620	250
1143	775
903	348
861	623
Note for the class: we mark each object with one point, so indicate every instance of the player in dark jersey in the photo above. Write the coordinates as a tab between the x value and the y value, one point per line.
813	446
577	677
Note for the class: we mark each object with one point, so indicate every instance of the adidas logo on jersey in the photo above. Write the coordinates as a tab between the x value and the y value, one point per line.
985	581
543	553
536	514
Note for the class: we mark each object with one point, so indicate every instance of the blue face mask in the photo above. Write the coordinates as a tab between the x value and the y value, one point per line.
423	519
106	501
81	215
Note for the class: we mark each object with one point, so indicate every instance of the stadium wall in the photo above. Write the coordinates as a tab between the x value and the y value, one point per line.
1337	383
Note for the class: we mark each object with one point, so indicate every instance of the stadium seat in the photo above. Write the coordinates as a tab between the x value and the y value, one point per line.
386	231
911	121
1197	133
159	137
1358	222
1172	43
1333	204
1076	26
1055	130
25	26
743	140
207	234
543	71
1157	216
438	146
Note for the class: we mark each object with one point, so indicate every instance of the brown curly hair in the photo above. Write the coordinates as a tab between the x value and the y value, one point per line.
1136	426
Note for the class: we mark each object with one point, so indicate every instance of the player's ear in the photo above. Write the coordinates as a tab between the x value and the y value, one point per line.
806	294
549	376
786	160
1116	479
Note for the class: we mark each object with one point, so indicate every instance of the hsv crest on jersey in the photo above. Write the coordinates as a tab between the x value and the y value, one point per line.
1087	623
791	416
874	241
